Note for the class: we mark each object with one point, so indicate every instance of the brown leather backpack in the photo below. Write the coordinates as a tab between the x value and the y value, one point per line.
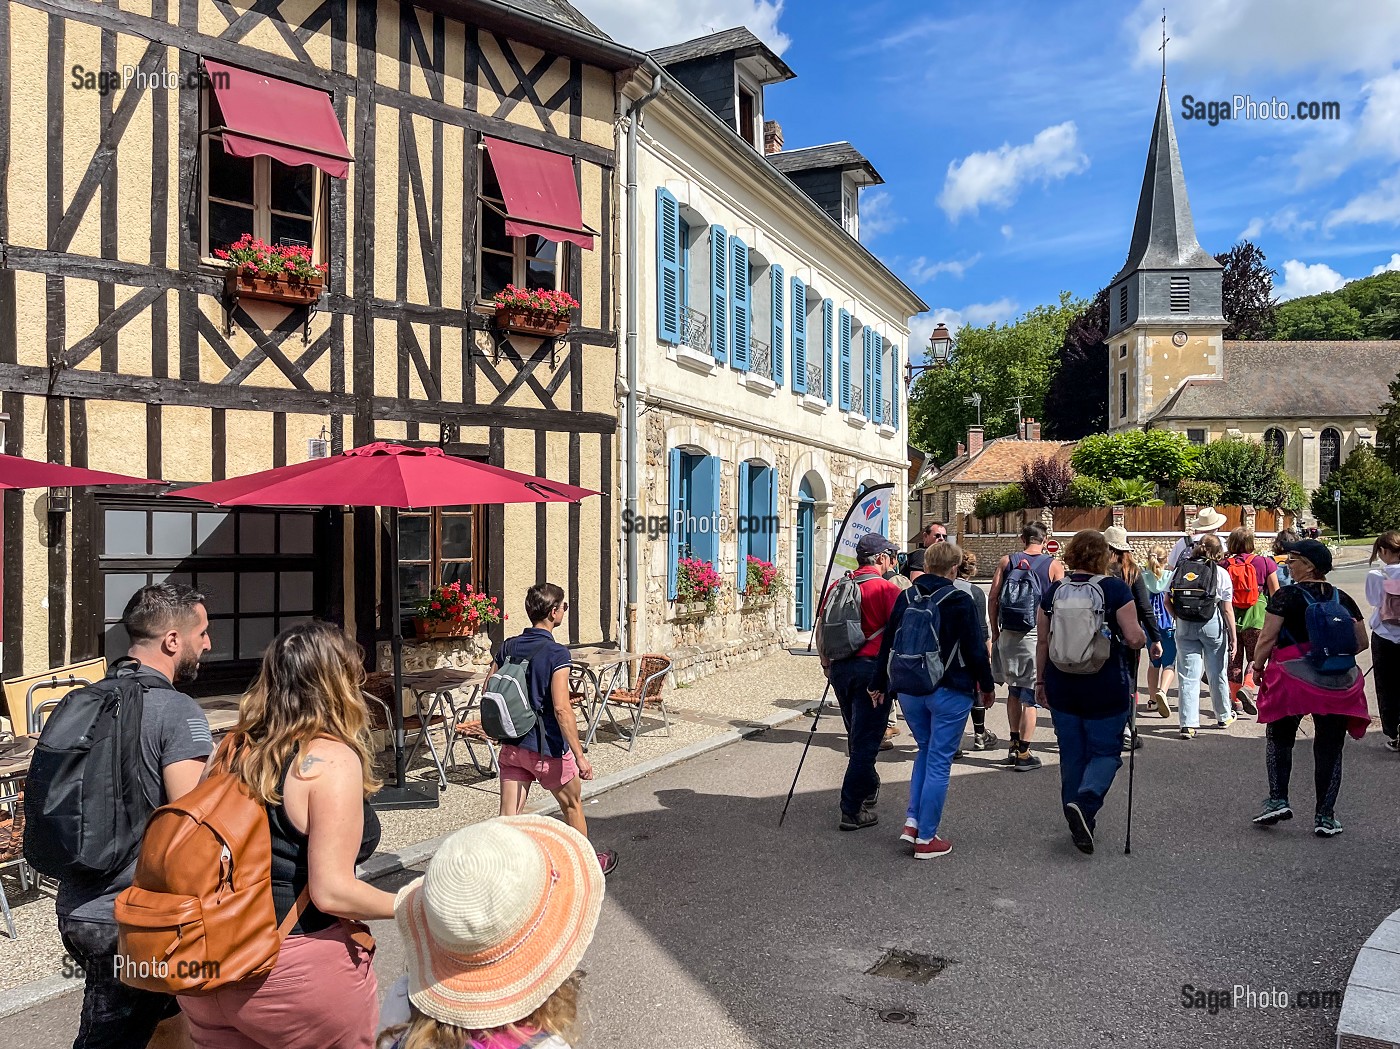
200	915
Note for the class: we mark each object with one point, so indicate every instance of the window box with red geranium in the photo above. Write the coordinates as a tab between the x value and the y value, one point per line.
539	312
697	587
762	583
454	610
271	272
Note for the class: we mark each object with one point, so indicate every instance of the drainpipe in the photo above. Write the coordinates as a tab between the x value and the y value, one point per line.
630	441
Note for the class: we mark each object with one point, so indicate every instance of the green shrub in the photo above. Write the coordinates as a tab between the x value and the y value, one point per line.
1087	491
1370	495
1293	497
1198	493
1247	471
1160	456
1132	491
1003	500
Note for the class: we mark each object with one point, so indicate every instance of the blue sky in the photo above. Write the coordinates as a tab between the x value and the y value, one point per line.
1012	135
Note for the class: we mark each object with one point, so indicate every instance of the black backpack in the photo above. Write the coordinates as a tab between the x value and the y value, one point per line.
85	804
1193	590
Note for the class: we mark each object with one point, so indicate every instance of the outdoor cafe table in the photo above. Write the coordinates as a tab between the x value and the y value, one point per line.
603	669
433	704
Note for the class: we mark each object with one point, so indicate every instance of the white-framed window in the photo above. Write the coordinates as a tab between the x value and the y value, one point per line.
275	202
850	220
527	262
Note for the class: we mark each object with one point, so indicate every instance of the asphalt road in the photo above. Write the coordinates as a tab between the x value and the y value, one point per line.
721	930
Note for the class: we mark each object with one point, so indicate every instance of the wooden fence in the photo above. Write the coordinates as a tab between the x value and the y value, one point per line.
1156	519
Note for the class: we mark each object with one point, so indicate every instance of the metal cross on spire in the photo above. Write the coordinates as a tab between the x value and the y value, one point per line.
1163	48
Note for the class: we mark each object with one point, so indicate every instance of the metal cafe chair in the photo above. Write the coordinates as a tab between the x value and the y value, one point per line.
12	852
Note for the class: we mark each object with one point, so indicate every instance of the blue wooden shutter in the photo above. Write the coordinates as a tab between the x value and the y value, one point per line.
668	267
741	526
739	302
704	494
719	293
799	336
779	327
867	379
673	536
894	385
684	245
828	342
770	509
845	336
877	342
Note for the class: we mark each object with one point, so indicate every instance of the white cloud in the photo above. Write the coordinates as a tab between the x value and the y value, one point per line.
1378	127
1286	221
877	214
647	24
922	270
1299	278
976	314
1380	205
1393	264
996	177
1006	232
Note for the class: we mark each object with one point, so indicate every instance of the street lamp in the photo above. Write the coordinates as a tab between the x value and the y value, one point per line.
940	348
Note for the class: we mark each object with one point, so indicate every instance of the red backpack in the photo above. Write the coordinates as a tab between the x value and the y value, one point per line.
1245	581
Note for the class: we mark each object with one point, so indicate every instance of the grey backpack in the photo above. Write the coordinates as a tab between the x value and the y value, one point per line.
841	634
507	714
1079	639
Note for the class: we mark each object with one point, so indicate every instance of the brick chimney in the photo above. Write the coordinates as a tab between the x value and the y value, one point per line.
772	137
962	449
974	440
1035	430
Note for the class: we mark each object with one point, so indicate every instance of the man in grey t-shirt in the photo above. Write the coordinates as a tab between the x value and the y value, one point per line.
169	631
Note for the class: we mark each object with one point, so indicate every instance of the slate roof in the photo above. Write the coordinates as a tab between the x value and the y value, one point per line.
1164	235
739	41
1290	380
838	155
562	12
999	461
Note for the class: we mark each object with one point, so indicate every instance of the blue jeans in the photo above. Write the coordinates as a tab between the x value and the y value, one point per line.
865	729
1202	646
1091	752
937	721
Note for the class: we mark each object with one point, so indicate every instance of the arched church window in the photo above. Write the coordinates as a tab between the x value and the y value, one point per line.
1274	440
1329	451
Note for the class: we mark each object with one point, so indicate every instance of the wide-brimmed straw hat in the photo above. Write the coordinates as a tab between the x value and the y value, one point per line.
500	920
1117	538
1207	519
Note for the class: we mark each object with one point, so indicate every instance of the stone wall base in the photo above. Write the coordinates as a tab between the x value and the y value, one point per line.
690	663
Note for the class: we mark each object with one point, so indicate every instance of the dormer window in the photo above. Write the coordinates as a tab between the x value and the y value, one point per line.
747	109
850	216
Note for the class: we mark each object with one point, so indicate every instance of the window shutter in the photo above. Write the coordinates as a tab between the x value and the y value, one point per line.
894	385
877	343
867	372
705	496
779	327
740	531
845	349
770	528
719	293
673	536
799	336
668	267
828	341
739	301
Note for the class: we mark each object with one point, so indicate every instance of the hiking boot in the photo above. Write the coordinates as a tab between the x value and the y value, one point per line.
888	742
862	819
1131	742
984	740
870	802
1159	700
607	859
932	849
1324	827
1187	732
1247	701
1275	810
910	833
1026	761
1079	829
959	753
1392	744
1010	760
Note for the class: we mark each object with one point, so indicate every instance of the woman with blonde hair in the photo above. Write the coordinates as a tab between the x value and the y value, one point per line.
302	747
493	934
1123	566
1157	578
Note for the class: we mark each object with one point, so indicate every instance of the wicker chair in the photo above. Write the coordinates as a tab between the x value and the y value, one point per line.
651	675
12	852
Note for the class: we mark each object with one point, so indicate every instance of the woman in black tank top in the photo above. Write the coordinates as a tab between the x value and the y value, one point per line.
306	756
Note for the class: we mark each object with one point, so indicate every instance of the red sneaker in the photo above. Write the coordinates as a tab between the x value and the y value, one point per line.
931	850
910	833
607	859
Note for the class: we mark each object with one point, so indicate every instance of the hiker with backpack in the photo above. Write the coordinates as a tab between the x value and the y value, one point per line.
1280	554
1088	620
294	963
982	737
1020	582
109	754
1161	665
1199	600
1306	664
1254	579
527	709
1122	566
1383	594
1208	521
850	630
934	657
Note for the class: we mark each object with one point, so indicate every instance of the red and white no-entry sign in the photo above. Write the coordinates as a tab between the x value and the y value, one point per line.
1052	546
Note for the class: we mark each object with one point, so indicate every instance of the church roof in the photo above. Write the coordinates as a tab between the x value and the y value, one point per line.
1290	380
1164	236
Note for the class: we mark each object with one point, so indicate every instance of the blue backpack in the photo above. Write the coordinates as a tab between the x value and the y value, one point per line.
1331	634
1019	600
916	660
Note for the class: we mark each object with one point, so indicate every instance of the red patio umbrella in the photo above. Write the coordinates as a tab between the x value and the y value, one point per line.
395	477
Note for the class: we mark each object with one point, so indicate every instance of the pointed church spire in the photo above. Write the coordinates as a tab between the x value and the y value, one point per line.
1164	237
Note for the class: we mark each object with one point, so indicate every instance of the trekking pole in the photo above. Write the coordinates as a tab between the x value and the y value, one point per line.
806	747
1132	760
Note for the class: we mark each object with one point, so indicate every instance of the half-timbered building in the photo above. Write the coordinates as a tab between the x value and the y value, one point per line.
407	146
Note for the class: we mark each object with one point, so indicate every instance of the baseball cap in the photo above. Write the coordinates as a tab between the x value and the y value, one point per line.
1314	551
873	544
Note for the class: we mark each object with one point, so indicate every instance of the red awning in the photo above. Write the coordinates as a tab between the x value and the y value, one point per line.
265	116
540	192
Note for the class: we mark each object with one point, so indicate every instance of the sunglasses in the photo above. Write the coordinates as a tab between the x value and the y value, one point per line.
939	537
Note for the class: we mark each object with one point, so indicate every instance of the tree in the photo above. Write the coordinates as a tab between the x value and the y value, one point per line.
1370	494
999	362
1247	292
1384	321
1161	456
1046	481
1076	403
1326	316
1388	433
1246	471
